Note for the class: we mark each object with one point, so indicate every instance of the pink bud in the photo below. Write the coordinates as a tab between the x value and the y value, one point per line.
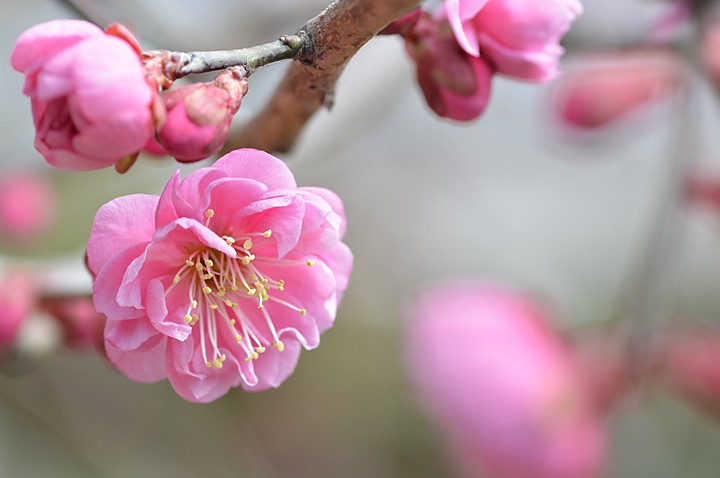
198	116
90	98
501	385
27	206
455	84
689	361
608	88
17	300
82	325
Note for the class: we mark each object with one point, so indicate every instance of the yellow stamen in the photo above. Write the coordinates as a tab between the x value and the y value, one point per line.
209	213
280	346
247	244
267	233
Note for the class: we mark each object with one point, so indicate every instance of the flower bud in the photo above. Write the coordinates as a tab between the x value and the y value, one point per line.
455	84
613	87
198	116
82	325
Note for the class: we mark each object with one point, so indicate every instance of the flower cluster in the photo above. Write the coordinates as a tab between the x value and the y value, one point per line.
458	49
220	280
96	98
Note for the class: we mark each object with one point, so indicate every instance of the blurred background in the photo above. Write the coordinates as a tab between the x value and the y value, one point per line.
510	198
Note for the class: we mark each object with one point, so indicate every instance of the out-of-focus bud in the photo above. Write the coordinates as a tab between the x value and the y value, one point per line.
689	362
27	207
710	53
81	323
606	89
198	116
17	301
502	386
455	84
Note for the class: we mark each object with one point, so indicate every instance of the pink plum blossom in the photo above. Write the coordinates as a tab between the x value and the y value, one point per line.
199	116
606	89
219	281
27	206
17	301
89	94
455	84
520	38
501	385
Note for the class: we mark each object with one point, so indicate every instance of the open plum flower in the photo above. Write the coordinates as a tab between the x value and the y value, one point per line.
90	97
218	282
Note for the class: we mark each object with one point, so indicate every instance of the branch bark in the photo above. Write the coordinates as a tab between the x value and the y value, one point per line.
330	40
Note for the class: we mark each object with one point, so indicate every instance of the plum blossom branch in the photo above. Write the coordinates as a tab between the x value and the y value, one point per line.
252	58
330	40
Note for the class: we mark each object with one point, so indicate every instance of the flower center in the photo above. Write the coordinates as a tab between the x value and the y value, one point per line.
218	285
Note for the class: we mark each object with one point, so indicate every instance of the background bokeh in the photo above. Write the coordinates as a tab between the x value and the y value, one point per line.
505	199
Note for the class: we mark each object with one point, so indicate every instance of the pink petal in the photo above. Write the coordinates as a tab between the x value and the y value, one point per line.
121	223
459	17
165	211
129	335
282	215
273	367
171	325
108	282
225	191
258	165
145	364
335	203
536	66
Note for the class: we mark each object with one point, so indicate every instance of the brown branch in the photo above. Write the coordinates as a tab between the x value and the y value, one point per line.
330	40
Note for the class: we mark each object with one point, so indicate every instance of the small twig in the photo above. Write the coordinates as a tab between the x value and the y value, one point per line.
251	58
330	40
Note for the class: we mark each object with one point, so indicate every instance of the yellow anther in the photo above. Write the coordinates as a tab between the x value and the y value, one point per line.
222	358
208	364
209	262
229	303
279	346
264	280
207	276
198	266
207	289
246	260
251	291
281	285
248	359
255	355
194	304
310	262
260	349
303	312
222	289
221	294
217	363
176	279
195	318
247	244
233	288
238	338
229	240
189	263
213	306
260	307
187	318
232	322
209	213
267	233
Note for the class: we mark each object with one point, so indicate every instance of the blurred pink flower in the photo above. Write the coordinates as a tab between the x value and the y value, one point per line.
27	206
220	280
710	53
90	98
199	116
501	385
17	301
455	84
82	325
520	38
688	361
608	88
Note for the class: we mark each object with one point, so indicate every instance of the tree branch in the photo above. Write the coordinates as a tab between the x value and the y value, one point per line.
330	40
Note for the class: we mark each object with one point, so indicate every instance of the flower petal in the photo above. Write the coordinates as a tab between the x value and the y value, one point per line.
273	367
123	222
258	165
144	364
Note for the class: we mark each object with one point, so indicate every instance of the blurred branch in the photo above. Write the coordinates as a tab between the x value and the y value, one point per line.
330	40
86	10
